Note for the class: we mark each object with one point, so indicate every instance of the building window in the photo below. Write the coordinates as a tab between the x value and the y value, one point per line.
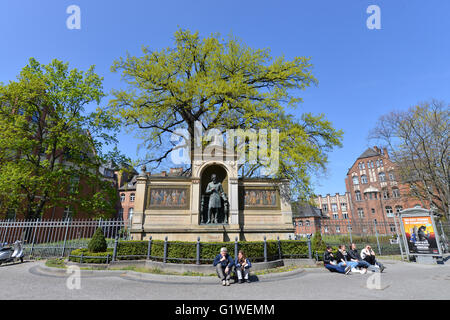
343	206
335	216
338	229
385	194
325	208
73	184
355	180
389	211
391	176
395	193
398	209
122	197
392	227
307	223
121	213
361	212
345	215
334	207
373	211
132	197
378	163
363	179
325	229
358	196
382	176
381	162
68	213
299	223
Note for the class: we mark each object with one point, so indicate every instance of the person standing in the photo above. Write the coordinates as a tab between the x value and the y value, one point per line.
224	264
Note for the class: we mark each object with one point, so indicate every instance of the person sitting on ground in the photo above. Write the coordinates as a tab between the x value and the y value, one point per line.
343	260
354	256
368	255
224	264
329	261
242	265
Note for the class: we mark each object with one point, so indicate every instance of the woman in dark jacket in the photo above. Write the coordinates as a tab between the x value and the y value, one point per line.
243	266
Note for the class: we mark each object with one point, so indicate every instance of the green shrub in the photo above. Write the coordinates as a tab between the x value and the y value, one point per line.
98	242
317	244
102	256
208	250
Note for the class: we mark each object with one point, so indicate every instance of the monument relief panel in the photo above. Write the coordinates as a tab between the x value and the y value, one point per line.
261	198
166	197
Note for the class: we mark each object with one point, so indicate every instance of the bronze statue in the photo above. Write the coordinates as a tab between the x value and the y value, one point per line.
216	195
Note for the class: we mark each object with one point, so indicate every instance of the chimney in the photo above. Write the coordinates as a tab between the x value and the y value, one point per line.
175	171
376	149
164	173
385	152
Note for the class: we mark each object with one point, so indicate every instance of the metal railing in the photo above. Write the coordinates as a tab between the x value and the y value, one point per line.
197	248
57	238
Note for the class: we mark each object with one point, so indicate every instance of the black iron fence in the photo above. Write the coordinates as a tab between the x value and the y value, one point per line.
53	238
58	238
383	236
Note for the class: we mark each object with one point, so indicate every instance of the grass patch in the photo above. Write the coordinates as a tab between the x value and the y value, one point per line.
159	271
276	270
56	263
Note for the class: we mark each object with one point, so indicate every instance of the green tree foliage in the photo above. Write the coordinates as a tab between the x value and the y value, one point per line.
317	243
224	85
50	147
98	242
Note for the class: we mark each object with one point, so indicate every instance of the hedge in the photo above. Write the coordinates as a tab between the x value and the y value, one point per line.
86	252
185	252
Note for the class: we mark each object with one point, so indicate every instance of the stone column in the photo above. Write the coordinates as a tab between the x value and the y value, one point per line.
234	201
137	222
195	202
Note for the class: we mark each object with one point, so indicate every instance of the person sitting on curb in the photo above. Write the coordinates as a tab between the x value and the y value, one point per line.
224	264
368	255
242	265
329	261
342	259
354	256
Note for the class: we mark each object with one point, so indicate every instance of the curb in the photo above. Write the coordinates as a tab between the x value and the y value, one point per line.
42	269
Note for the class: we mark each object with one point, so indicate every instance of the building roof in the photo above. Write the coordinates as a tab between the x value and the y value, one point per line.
369	153
130	185
304	210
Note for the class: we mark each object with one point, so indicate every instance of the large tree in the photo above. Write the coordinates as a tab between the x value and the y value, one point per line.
223	84
50	146
418	141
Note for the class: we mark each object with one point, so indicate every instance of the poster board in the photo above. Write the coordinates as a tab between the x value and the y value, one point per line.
419	233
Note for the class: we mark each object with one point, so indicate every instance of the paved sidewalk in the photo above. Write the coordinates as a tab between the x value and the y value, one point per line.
400	281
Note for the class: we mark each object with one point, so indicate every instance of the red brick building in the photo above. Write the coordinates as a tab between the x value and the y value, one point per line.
375	191
307	218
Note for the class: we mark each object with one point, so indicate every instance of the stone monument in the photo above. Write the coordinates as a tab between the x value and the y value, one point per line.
212	203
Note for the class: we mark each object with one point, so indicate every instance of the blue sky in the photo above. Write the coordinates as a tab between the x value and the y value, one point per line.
362	73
